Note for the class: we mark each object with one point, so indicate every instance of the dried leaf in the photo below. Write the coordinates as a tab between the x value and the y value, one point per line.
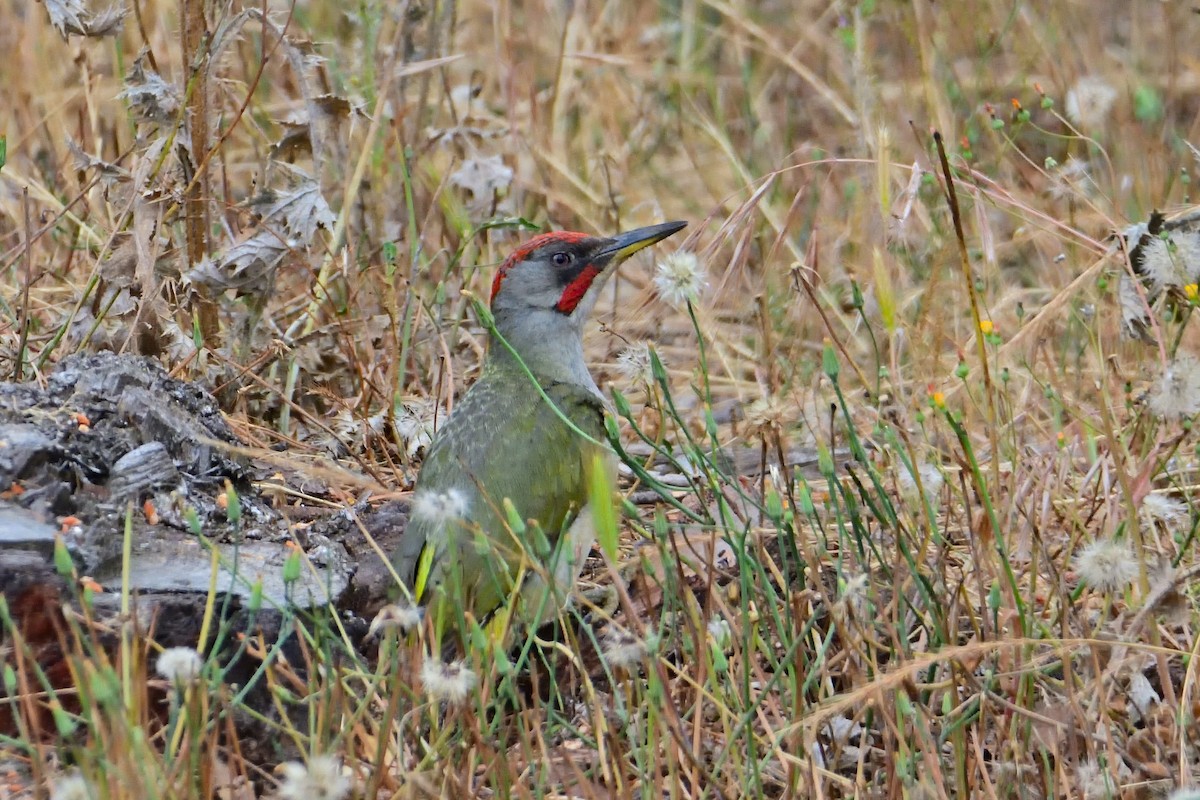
333	105
119	269
483	177
249	266
1142	694
86	161
73	17
153	99
298	212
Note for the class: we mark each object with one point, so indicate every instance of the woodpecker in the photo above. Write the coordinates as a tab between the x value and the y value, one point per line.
500	508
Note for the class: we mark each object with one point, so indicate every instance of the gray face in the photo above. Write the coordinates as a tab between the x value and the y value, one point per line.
559	273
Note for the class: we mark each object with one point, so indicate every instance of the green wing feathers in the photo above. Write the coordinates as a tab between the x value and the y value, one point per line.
534	459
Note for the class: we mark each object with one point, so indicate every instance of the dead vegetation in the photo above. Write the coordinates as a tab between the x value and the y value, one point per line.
910	514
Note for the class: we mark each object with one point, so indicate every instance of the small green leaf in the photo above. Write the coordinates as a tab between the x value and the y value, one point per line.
610	428
829	362
621	404
390	252
538	541
233	510
658	370
629	509
291	566
774	505
515	523
885	295
600	498
484	313
1147	104
825	461
64	565
804	500
63	722
193	520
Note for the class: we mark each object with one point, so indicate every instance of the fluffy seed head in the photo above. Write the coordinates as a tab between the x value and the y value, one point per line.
1073	178
766	415
179	665
441	508
1172	262
635	365
622	649
414	424
720	633
404	616
71	787
931	482
1089	101
1106	565
854	590
321	779
1095	782
679	278
1163	509
451	682
1177	394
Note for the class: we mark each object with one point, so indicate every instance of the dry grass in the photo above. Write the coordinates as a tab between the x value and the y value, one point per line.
870	634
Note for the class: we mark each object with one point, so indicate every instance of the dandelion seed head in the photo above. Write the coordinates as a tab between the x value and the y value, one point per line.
321	779
1095	783
345	424
635	364
766	414
1163	509
440	508
1106	565
451	682
1073	178
1089	101
179	665
414	424
853	596
680	278
720	633
71	787
931	481
1173	262
1177	394
403	616
855	587
622	649
1134	319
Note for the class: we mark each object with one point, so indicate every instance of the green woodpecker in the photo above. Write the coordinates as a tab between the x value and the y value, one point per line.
500	517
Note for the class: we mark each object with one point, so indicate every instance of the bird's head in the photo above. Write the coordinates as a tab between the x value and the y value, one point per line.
561	272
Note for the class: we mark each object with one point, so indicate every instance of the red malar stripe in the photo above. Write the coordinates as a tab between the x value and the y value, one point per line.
577	289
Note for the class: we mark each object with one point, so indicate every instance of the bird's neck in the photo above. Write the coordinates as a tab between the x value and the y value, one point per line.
551	348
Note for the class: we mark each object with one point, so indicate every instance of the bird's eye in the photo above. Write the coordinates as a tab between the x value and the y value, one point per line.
562	259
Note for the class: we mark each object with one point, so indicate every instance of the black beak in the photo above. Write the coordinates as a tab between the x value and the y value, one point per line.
623	245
